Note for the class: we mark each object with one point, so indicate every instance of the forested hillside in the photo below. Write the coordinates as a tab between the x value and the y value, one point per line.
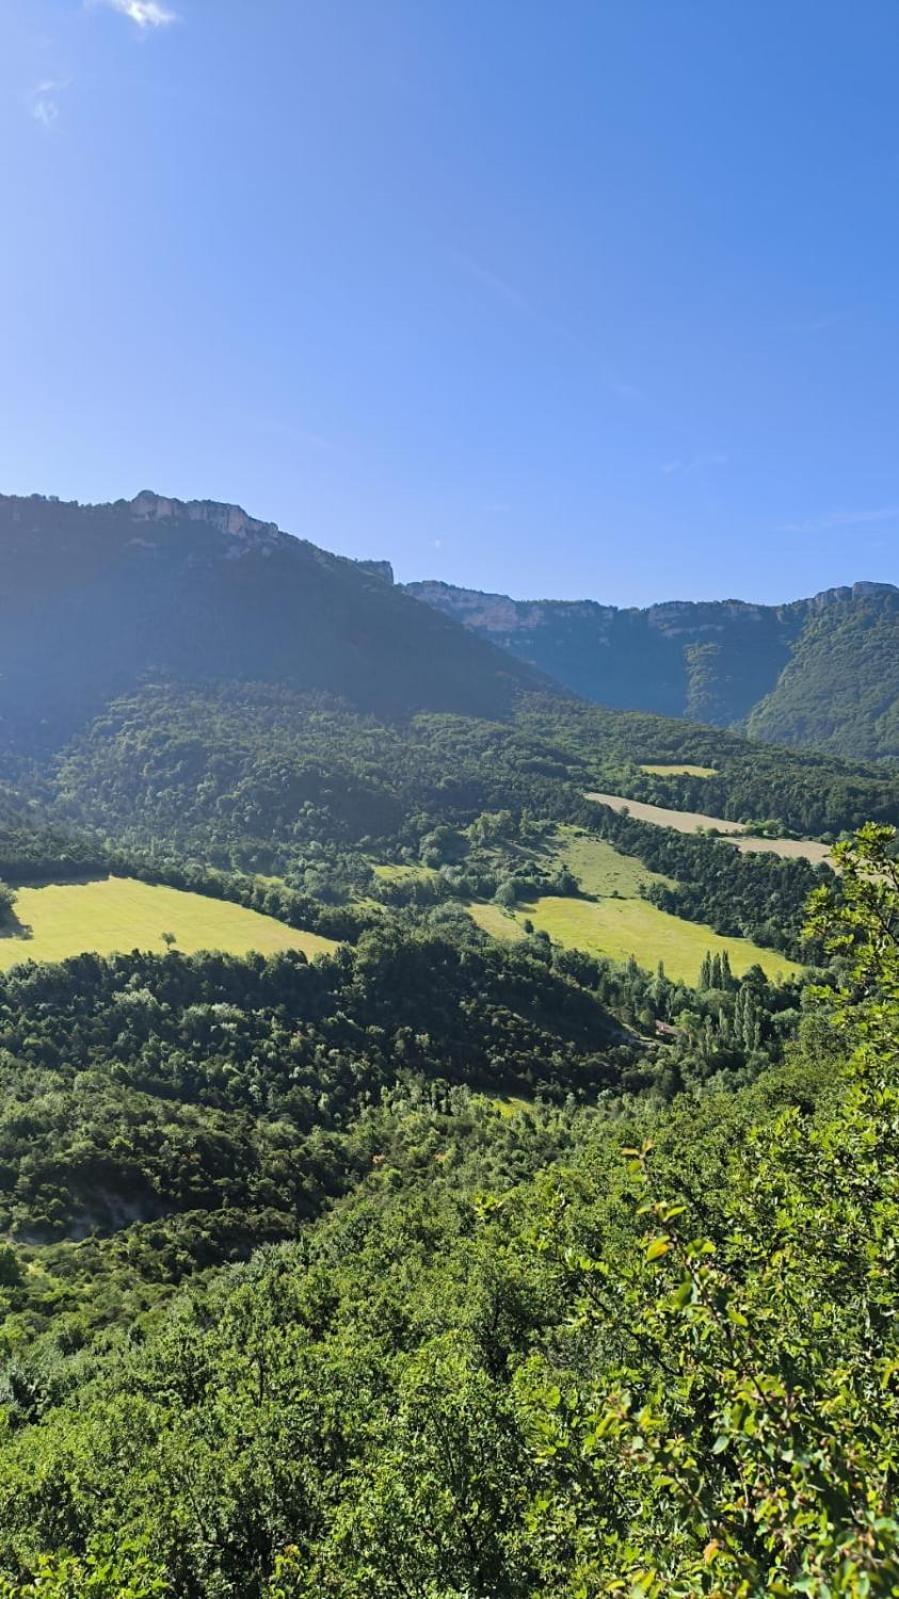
94	598
438	1264
532	1355
822	672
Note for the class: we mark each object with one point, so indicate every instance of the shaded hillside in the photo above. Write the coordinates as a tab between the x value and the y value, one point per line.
92	598
840	690
823	671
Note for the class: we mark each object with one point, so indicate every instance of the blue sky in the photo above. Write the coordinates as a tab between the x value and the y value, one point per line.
594	297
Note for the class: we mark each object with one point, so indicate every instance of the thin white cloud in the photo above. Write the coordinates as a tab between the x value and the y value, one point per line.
143	13
835	519
43	101
694	463
501	286
626	391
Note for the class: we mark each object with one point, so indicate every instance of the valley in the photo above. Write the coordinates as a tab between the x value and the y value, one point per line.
346	988
821	672
449	819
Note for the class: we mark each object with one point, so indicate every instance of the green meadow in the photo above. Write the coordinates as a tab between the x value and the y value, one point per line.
613	920
600	868
619	928
114	915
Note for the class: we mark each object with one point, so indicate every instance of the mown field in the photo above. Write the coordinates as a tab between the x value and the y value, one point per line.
114	915
809	849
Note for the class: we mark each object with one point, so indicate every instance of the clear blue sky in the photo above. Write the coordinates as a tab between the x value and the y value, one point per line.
559	297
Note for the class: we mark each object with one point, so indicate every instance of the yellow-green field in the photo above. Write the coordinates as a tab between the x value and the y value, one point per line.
686	770
498	923
619	928
600	869
616	922
116	914
389	872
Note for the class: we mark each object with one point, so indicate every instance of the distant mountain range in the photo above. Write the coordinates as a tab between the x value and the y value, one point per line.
821	672
95	598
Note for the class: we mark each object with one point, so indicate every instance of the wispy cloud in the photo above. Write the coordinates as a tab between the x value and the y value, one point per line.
835	519
625	391
491	280
43	101
694	463
821	323
143	13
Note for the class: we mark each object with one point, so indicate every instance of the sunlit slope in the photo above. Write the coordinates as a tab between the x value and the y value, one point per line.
118	914
611	918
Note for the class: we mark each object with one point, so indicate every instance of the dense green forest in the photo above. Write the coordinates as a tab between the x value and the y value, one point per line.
641	1344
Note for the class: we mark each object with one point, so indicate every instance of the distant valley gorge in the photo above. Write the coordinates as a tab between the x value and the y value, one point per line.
820	672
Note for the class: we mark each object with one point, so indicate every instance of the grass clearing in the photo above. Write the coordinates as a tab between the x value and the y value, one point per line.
114	915
685	770
508	1105
810	849
390	872
497	922
618	928
601	869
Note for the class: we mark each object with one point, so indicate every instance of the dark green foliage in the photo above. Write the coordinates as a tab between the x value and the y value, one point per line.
840	691
809	795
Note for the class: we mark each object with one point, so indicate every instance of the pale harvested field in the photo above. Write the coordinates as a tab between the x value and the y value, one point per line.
681	821
810	849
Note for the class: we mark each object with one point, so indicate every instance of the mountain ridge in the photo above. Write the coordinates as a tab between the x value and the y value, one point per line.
732	663
92	598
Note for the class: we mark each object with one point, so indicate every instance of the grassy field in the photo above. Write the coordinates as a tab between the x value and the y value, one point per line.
494	920
600	869
686	770
619	928
392	873
809	849
117	914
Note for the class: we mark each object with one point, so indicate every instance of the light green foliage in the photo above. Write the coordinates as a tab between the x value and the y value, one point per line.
747	1439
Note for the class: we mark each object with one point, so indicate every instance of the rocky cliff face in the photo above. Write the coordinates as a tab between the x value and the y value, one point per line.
769	667
232	520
